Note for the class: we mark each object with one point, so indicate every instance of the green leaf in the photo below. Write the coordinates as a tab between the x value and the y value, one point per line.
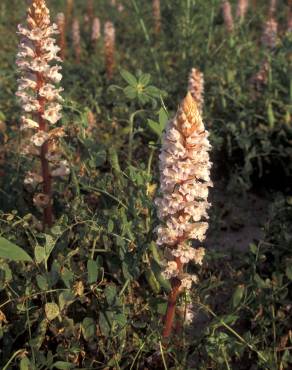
50	245
163	118
130	92
12	252
153	91
42	282
289	272
104	323
39	254
238	295
128	77
52	310
155	127
110	294
152	281
253	248
100	157
88	328
25	364
144	79
92	271
62	365
65	299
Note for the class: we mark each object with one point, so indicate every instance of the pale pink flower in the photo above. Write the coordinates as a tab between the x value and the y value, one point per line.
269	37
39	138
227	15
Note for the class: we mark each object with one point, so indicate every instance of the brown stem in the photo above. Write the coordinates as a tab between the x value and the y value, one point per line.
172	299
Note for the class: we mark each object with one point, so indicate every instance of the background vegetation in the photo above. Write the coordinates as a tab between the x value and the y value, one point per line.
88	294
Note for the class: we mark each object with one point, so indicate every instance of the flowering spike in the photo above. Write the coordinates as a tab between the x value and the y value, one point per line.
273	8
227	15
109	48
69	9
61	23
156	16
289	17
196	87
76	39
242	8
90	9
38	96
182	206
269	37
95	33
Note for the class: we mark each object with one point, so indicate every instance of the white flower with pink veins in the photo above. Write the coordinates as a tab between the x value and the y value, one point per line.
52	113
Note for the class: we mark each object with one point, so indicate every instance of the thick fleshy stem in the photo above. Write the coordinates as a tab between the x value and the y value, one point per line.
171	305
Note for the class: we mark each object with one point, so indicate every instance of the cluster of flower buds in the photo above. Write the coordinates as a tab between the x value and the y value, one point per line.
39	98
227	15
196	87
184	183
109	48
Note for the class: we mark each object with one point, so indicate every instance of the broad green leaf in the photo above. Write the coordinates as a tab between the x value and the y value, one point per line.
153	91
152	281
65	299
128	77
110	294
155	127
144	79
104	323
39	254
62	365
88	328
130	92
42	282
289	272
25	364
92	271
163	118
238	295
52	310
12	252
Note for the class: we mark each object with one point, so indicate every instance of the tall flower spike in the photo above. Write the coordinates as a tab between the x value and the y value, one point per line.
242	8
90	9
227	15
196	87
69	9
289	17
182	206
273	8
156	16
269	37
38	96
61	23
76	39
95	33
109	48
